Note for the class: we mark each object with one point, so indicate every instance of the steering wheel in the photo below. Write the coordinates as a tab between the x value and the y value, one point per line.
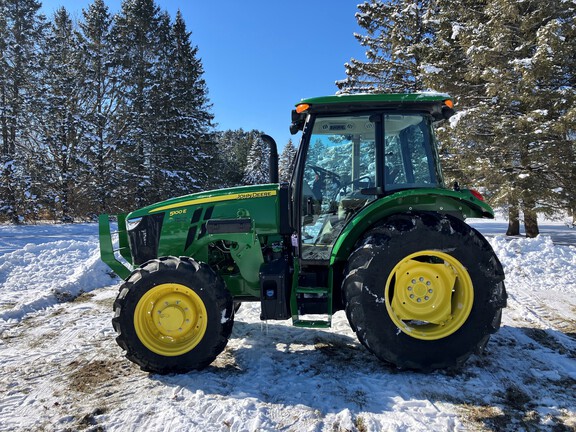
355	183
323	173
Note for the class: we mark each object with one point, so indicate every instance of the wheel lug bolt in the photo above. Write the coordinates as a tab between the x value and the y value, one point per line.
426	298
430	290
409	288
421	279
413	281
419	300
411	296
428	283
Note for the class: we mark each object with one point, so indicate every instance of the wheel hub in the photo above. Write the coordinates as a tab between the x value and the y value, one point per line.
170	319
429	295
423	291
174	315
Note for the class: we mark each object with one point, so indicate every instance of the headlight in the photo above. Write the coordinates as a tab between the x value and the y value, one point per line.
132	223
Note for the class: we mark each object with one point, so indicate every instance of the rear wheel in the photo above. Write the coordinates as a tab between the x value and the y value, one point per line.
424	291
173	315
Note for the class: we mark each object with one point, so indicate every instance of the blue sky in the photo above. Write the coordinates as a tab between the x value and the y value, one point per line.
262	56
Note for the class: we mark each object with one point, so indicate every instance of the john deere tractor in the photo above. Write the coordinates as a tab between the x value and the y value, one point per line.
366	225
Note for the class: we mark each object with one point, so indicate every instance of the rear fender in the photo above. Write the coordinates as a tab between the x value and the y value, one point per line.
461	204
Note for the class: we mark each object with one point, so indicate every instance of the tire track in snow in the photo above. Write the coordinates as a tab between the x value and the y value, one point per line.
536	313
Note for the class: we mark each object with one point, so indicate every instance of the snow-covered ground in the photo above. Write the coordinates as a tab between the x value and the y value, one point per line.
60	369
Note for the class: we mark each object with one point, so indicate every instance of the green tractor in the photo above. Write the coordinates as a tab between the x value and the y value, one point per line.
366	225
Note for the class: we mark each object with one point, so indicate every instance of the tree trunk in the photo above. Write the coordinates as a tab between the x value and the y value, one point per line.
530	219
513	220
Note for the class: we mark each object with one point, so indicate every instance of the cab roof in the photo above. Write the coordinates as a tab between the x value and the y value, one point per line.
375	98
439	105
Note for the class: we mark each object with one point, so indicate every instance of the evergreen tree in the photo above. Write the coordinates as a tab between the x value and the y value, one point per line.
102	128
61	125
257	169
108	117
181	103
397	39
194	120
550	80
496	57
286	161
164	172
165	105
509	130
233	148
21	32
135	37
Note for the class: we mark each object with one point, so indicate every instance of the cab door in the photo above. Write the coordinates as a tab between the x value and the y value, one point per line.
338	162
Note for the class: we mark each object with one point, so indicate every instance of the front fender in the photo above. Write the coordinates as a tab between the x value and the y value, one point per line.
461	204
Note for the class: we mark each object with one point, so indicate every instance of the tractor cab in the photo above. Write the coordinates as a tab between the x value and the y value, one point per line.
352	155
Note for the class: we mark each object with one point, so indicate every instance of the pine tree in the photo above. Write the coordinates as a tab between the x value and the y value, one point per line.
452	66
164	172
21	32
101	86
396	40
165	105
61	123
550	78
106	118
509	130
186	124
496	57
135	37
194	118
233	148
257	169
286	161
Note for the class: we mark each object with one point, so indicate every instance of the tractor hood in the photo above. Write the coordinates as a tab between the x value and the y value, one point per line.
213	196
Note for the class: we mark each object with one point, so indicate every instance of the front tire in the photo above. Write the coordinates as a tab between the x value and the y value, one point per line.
423	291
173	315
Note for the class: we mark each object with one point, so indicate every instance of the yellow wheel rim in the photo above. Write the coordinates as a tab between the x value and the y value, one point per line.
429	295
170	319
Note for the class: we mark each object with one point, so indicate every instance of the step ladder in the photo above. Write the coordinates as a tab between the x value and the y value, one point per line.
314	301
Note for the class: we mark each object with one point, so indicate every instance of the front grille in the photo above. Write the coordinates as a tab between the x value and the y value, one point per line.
145	237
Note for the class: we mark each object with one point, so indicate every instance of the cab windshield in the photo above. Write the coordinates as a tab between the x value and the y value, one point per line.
352	159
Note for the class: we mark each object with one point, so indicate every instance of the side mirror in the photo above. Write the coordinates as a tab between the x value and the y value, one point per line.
447	112
298	121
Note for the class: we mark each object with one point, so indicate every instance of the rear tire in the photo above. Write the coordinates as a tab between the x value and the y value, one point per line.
173	315
423	291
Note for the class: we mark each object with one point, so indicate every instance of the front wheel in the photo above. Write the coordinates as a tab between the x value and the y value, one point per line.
173	315
424	291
